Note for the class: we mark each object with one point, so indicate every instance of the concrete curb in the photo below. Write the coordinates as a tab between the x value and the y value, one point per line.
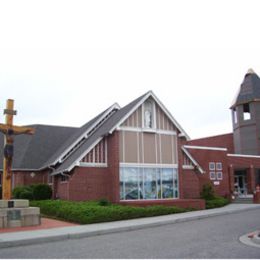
57	234
255	241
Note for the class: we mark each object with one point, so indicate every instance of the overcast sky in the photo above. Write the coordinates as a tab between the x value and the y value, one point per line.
63	62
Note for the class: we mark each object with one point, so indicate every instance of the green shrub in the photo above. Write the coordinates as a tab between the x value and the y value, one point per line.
17	191
93	212
216	202
207	192
32	192
26	195
42	192
103	202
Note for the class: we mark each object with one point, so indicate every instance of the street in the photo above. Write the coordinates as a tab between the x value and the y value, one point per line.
214	237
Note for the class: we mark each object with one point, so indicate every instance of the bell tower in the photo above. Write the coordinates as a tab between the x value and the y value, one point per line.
246	116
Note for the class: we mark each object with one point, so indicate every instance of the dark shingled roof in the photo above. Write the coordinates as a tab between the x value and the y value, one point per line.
73	138
100	132
249	89
32	151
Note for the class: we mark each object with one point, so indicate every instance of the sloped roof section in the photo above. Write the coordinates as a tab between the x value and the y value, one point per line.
32	151
249	89
107	127
78	136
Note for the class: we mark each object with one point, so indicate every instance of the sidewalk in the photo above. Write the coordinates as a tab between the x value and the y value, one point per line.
12	239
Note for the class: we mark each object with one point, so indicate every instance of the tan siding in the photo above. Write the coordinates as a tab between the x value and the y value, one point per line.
141	159
149	148
131	147
158	123
166	148
121	159
140	118
158	148
174	149
161	119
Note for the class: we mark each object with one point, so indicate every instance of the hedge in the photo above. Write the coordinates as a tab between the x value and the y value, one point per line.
216	202
33	192
93	212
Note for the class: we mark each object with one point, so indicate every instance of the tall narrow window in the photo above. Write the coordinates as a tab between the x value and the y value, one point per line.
235	115
246	112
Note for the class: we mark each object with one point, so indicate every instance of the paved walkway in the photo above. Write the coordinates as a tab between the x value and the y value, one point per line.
78	231
46	223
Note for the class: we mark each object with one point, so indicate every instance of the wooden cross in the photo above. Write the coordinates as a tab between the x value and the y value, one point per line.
9	130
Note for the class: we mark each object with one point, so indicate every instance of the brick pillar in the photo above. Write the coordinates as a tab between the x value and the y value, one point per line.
54	186
251	179
231	172
113	164
180	143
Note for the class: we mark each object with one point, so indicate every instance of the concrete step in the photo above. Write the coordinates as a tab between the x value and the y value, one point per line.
243	201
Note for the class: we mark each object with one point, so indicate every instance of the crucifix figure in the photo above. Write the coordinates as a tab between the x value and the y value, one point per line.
9	130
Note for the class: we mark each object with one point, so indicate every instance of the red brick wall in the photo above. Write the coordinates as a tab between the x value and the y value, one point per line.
180	143
243	162
113	164
190	185
203	157
93	183
25	178
90	183
225	141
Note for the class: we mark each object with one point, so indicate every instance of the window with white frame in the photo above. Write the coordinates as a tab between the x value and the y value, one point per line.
219	175
219	166
212	166
215	171
212	175
143	183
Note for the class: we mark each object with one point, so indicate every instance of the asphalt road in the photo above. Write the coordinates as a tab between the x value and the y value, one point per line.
215	237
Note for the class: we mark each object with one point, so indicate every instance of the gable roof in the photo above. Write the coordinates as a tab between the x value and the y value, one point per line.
108	127
249	89
61	148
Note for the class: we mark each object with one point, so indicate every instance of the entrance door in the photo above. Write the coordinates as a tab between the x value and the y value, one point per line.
241	183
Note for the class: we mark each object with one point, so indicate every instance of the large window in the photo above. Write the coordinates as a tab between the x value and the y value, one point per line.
137	183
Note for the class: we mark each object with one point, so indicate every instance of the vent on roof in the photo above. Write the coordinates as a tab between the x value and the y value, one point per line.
75	147
101	122
87	135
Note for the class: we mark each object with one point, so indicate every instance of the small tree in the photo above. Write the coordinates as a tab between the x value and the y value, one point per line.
207	192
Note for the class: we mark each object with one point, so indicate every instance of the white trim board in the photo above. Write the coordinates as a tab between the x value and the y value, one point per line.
192	160
243	155
145	130
85	164
205	148
148	165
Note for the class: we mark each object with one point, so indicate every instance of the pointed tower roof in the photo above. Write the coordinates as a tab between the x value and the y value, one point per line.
249	89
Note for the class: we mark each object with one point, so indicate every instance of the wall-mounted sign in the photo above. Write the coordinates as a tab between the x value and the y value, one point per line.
216	182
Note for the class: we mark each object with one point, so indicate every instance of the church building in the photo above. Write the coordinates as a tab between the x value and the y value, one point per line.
140	155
